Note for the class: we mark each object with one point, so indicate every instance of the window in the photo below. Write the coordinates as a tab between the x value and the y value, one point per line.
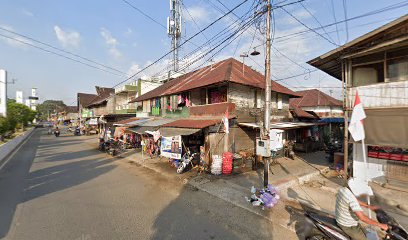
368	74
397	69
217	95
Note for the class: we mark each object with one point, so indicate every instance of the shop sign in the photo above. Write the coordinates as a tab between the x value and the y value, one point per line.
171	147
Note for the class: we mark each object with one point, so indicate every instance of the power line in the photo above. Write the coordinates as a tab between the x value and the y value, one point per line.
318	22
220	34
160	58
335	20
345	17
311	29
388	8
194	21
62	50
58	54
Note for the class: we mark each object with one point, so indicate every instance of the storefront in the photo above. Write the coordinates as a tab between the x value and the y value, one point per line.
386	142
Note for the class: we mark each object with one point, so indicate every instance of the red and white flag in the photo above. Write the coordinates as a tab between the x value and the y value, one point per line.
356	127
226	122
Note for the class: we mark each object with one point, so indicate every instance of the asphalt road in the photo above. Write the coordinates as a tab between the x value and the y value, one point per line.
63	188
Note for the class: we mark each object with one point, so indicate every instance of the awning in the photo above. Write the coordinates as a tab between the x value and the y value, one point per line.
282	125
331	120
170	132
141	130
119	131
131	122
387	127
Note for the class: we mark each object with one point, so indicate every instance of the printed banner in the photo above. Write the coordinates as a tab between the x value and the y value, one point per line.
171	147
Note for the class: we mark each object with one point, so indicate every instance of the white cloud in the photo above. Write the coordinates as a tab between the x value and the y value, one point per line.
17	42
112	43
67	38
301	15
198	14
27	12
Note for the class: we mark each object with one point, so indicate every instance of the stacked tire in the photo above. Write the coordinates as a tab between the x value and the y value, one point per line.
227	159
216	166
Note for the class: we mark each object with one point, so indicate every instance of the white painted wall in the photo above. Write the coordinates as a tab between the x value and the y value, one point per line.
376	167
389	94
147	87
3	93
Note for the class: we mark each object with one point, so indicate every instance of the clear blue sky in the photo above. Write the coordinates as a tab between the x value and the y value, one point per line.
114	34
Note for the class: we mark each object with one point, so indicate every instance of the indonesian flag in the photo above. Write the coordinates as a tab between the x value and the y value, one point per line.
226	122
356	127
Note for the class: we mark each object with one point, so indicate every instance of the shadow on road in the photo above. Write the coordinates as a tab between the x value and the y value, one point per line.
195	214
18	184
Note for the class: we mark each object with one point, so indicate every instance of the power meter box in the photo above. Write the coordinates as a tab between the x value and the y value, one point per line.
263	147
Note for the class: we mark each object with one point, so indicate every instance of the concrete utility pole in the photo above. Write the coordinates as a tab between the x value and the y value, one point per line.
174	30
268	89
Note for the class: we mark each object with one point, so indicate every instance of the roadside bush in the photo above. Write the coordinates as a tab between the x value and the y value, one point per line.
4	125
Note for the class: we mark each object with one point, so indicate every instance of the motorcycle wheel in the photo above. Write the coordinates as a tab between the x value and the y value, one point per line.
180	169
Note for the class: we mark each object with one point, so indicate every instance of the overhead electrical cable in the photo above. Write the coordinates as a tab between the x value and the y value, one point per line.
187	40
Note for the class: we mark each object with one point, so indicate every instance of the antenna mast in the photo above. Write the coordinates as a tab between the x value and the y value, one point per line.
174	30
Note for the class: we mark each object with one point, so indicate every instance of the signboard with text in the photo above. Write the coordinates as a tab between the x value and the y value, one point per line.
171	147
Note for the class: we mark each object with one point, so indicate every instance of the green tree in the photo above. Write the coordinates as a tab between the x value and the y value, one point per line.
18	115
4	125
48	107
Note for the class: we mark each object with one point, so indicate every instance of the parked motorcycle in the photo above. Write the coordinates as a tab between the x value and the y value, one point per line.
319	227
186	160
77	131
331	148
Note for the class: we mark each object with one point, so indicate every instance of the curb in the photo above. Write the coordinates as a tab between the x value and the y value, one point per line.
21	140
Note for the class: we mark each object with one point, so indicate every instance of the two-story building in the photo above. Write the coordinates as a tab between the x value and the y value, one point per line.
202	98
376	65
315	105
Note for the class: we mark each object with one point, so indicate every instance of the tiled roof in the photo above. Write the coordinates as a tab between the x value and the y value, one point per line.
314	98
229	70
85	98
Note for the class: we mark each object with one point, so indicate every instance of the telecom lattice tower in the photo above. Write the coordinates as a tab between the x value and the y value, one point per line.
174	30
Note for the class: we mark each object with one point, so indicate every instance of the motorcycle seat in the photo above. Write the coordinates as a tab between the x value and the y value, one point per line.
327	220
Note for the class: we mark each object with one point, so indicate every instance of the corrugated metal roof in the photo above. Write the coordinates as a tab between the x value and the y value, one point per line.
330	62
215	109
156	122
193	123
314	98
229	70
86	98
300	113
282	125
170	132
131	121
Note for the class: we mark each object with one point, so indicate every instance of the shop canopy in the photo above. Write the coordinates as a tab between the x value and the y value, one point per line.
170	132
282	125
386	127
131	122
331	120
151	125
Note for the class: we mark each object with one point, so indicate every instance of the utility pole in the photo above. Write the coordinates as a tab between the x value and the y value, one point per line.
174	30
268	89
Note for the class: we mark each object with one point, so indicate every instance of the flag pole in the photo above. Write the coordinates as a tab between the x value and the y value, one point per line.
366	174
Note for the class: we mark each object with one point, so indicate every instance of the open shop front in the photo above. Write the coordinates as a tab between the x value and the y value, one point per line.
176	142
386	141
